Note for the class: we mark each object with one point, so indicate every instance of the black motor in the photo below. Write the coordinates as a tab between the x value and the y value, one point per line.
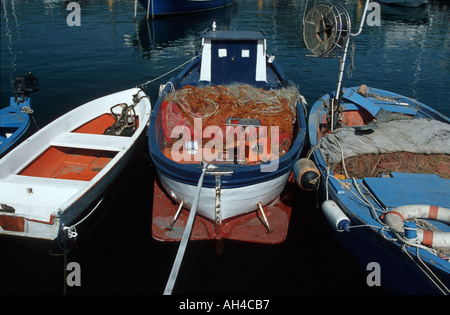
26	84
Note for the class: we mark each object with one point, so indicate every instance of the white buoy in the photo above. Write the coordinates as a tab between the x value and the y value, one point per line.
335	216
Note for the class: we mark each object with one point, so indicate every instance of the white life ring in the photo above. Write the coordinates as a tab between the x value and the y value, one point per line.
396	217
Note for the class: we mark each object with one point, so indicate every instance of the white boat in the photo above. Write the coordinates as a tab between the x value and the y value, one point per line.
406	3
51	180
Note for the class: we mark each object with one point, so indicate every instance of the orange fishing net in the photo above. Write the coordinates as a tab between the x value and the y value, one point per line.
375	165
214	104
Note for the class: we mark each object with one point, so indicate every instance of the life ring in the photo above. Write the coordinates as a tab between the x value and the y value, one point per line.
436	239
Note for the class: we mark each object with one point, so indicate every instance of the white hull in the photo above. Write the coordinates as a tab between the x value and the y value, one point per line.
40	202
233	201
406	3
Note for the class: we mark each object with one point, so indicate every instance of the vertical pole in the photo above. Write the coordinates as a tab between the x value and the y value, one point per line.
335	101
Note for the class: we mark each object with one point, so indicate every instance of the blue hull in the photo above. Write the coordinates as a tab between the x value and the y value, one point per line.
242	175
233	76
14	122
172	7
404	269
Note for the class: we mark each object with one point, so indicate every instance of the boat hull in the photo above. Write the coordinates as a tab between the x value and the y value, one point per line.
400	269
14	122
174	7
248	227
406	3
53	177
398	273
234	201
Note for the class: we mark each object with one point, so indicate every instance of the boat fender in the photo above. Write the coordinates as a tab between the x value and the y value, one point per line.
335	216
306	174
397	219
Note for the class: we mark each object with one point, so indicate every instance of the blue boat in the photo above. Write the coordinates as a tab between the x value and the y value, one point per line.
233	109
14	119
158	8
406	3
382	164
385	178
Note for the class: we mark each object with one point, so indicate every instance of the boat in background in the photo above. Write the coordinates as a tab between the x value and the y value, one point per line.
49	180
382	164
15	118
406	3
160	8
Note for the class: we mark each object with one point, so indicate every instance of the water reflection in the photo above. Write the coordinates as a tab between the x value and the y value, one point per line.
404	14
153	35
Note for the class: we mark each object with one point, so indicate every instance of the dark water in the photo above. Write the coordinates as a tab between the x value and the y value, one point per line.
408	54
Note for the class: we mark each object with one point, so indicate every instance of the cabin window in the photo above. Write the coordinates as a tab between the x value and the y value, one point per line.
245	53
222	52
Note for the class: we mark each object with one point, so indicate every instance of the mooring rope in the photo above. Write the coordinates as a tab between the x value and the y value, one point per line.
144	85
186	235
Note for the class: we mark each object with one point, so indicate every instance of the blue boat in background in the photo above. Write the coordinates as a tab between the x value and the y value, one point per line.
158	8
14	119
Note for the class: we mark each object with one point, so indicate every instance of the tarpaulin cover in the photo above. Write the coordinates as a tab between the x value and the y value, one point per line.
412	145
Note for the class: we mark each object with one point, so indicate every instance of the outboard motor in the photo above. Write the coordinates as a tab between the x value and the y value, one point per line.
25	84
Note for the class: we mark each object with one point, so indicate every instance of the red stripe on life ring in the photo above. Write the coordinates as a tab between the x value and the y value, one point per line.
427	238
433	213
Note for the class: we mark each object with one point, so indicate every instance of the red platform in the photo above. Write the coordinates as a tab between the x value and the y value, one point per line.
248	227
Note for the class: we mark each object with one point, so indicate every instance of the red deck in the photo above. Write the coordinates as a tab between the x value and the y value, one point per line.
73	163
248	227
68	163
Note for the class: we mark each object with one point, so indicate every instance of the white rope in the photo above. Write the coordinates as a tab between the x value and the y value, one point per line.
27	110
163	75
444	288
342	155
71	230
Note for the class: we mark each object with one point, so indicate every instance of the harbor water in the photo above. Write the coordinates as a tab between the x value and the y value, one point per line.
407	53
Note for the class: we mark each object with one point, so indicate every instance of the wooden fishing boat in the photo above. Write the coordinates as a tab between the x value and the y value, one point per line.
231	90
382	163
158	8
49	180
15	118
385	178
406	3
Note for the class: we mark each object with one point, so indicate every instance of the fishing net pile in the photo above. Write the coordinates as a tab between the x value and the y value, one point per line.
410	146
214	104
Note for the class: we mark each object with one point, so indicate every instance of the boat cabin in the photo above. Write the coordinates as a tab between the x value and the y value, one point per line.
231	56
